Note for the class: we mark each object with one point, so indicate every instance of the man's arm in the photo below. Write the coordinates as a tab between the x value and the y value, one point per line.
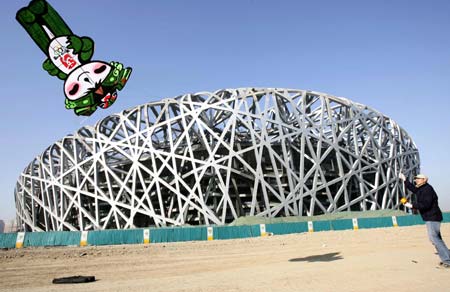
410	186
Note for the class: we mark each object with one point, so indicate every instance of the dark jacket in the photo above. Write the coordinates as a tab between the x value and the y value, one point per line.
427	202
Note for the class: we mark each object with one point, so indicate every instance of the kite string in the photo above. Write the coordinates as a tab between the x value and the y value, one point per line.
84	120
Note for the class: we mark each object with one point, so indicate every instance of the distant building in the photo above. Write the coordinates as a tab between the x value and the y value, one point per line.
2	226
10	226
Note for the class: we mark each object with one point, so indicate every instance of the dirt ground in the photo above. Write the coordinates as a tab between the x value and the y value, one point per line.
388	259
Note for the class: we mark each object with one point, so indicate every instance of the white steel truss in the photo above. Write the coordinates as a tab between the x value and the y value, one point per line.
209	158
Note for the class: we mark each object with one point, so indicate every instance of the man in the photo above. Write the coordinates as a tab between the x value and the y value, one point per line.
427	204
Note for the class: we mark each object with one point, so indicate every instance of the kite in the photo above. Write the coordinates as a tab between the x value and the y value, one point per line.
88	84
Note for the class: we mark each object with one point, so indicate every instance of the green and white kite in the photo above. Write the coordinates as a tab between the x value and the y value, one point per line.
88	84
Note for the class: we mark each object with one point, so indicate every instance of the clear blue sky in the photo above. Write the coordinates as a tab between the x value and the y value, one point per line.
393	56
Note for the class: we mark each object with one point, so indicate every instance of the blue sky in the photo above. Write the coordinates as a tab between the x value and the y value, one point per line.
393	56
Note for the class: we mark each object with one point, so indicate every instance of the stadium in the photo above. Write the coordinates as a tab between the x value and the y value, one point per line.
211	157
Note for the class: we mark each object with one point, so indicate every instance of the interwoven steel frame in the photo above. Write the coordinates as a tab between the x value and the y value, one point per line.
209	158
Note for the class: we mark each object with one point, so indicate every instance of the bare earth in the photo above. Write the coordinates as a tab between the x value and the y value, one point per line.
389	259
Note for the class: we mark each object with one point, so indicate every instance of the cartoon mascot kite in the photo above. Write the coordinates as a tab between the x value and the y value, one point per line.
87	84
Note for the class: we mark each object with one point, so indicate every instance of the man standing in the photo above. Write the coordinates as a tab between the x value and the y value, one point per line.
427	204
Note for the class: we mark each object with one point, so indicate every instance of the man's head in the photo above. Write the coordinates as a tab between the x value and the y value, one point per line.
420	179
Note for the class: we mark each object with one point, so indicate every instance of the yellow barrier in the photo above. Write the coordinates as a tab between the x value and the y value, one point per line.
84	238
146	236
19	240
262	229
210	233
355	224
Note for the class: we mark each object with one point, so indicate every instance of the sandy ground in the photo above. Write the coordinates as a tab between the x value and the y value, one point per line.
389	259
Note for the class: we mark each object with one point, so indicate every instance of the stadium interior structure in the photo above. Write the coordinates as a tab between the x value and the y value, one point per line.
211	157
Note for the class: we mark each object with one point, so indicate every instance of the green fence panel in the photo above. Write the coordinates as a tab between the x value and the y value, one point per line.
409	220
287	228
322	225
229	232
8	240
446	217
178	234
374	222
174	234
256	231
342	224
107	237
52	238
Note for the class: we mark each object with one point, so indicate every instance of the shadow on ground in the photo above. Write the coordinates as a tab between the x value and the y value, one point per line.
328	257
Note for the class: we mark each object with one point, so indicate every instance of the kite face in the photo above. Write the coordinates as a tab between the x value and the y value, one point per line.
88	84
85	79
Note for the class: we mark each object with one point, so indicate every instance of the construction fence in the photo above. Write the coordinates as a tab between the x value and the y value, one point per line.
174	234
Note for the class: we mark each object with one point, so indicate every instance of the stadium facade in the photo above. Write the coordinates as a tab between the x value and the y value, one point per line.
209	158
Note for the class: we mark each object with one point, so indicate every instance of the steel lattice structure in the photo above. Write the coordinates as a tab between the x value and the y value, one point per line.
209	158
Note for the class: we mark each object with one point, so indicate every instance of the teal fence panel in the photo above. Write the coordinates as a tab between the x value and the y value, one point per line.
174	234
229	232
374	222
409	220
52	238
322	225
342	224
287	228
8	240
446	217
178	234
256	231
107	237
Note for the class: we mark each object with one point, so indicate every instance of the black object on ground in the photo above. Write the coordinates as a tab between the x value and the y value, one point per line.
74	280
